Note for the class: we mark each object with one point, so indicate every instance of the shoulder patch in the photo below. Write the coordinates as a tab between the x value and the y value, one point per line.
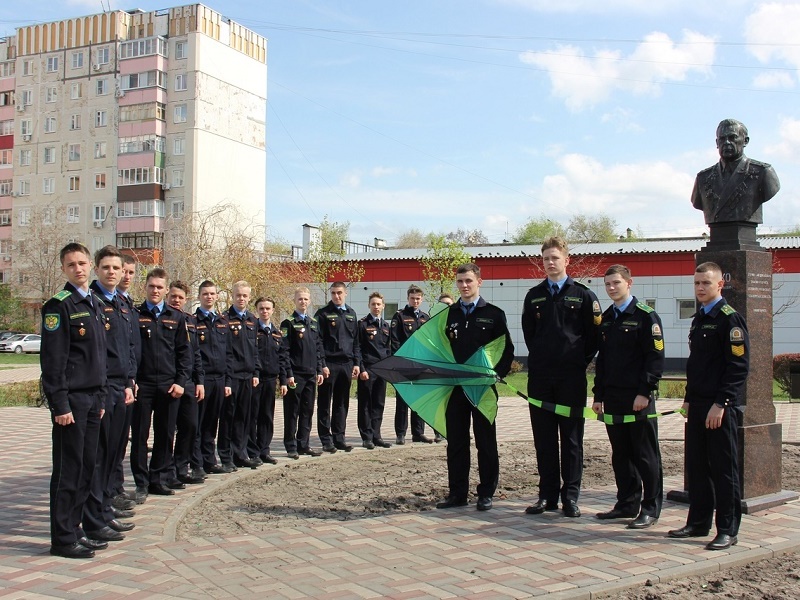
579	284
644	307
728	309
737	335
52	321
62	295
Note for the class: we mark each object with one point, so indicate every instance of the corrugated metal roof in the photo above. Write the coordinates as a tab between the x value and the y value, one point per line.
622	247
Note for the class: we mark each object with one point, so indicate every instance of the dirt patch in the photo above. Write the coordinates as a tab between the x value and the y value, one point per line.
413	479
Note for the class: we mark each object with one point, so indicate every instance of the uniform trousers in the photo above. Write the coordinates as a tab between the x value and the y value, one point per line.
208	413
262	421
242	391
333	403
548	428
117	480
186	432
371	396
97	509
74	457
635	456
153	403
298	410
458	414
401	419
712	468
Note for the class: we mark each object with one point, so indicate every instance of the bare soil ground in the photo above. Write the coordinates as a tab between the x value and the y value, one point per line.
413	479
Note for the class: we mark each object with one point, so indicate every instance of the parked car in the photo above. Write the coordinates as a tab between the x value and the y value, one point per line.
26	342
4	335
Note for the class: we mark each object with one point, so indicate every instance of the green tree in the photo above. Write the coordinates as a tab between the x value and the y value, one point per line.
439	265
583	229
537	230
13	313
326	258
412	238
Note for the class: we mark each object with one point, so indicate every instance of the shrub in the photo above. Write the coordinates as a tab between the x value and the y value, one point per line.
516	367
780	370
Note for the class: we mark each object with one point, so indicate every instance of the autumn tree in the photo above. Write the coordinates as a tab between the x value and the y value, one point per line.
412	238
439	265
13	314
326	258
583	229
474	237
538	229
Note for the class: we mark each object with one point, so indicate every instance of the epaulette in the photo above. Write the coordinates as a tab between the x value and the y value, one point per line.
644	307
62	295
728	309
758	163
579	284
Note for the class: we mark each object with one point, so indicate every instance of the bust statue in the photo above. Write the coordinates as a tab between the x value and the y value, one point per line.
734	189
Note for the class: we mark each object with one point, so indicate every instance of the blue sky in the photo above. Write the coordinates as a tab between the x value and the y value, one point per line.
443	114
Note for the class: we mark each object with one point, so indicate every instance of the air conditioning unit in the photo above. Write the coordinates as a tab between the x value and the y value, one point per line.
98	224
15	194
165	186
26	138
119	93
6	258
20	107
96	66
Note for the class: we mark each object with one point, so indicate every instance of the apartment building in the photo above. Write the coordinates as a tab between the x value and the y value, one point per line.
114	125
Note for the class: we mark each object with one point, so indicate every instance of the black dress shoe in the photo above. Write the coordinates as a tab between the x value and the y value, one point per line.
160	490
401	440
122	514
229	468
422	438
438	438
329	449
571	509
92	544
106	534
381	444
541	506
687	531
368	445
643	522
214	469
268	458
190	479
245	462
74	550
616	513
120	525
292	455
312	452
176	484
723	541
199	472
452	502
128	495
122	503
141	494
484	502
258	462
343	447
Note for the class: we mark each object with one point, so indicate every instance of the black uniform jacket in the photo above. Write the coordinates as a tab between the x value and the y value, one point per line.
631	355
270	352
374	340
166	351
212	338
198	371
338	329
484	324
120	336
303	346
560	332
404	323
73	354
719	348
243	362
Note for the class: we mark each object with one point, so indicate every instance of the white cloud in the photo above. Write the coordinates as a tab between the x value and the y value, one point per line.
771	32
351	179
583	81
788	148
623	120
592	6
772	80
378	172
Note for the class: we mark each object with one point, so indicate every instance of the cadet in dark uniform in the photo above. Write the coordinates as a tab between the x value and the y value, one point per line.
98	512
560	320
630	362
272	359
404	323
73	360
241	379
338	325
212	337
472	323
186	468
164	370
375	343
715	376
305	362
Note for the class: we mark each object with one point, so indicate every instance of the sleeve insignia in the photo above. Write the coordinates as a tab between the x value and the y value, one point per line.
737	335
52	322
658	345
596	307
656	330
284	331
737	350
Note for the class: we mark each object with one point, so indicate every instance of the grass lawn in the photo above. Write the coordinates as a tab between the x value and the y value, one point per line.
25	393
9	358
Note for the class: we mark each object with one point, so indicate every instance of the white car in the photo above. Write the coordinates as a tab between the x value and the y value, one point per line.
25	342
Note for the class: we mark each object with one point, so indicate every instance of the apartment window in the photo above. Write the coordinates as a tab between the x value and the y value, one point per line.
7	68
25	127
49	124
176	209
100	181
137	81
6	185
686	309
27	67
77	60
74	183
7	127
49	155
99	149
5	216
73	213
24	216
6	157
6	98
47	219
180	82
179	146
74	152
25	158
141	208
142	143
75	122
24	187
143	47
51	95
98	212
102	87
180	113
177	177
651	302
26	97
48	185
103	56
140	175
181	50
100	118
52	64
161	111
75	91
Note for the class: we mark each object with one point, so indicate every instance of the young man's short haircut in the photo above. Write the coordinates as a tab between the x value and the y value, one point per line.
621	270
557	242
446	296
414	289
206	284
708	267
157	273
181	286
467	267
338	285
127	259
261	299
105	252
74	247
375	295
241	284
302	290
